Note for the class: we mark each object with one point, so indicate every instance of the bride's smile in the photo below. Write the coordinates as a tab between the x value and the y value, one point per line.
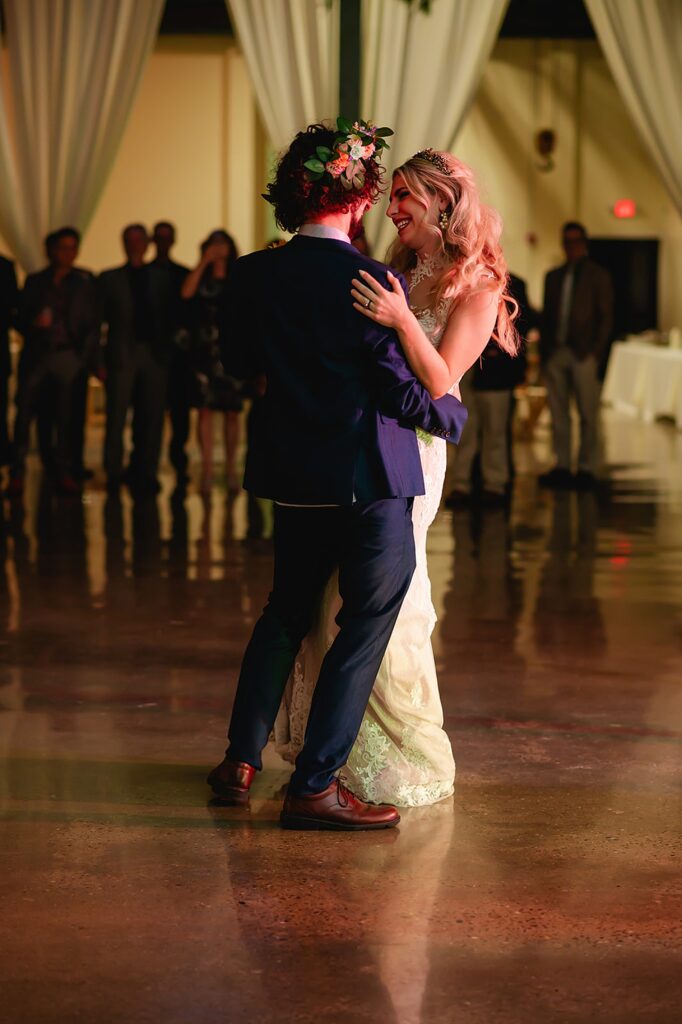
414	223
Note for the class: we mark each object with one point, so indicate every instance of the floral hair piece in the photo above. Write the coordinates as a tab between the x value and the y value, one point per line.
353	145
433	157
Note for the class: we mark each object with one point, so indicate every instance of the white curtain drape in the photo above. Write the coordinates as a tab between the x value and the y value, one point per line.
74	70
291	49
420	72
642	43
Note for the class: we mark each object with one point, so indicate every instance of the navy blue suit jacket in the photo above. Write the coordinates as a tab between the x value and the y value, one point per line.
338	417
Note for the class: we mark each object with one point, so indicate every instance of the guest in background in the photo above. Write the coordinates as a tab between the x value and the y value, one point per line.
59	323
137	310
179	370
576	324
46	419
487	392
9	297
214	389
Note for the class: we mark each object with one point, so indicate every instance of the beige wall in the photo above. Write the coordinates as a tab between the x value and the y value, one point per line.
188	154
566	85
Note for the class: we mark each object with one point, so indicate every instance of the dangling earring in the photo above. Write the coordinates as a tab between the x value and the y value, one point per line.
443	220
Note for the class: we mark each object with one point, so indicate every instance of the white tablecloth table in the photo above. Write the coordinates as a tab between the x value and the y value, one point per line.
645	380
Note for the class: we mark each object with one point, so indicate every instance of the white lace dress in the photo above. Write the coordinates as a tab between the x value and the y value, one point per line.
402	754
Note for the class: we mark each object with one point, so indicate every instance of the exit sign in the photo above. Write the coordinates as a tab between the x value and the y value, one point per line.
624	209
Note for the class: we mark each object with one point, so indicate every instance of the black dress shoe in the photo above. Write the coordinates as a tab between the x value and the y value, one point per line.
144	487
494	499
584	480
557	479
458	499
231	781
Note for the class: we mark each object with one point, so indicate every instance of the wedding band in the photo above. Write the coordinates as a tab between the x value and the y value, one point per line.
368	304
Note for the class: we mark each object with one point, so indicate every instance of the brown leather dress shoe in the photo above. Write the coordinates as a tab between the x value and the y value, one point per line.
337	809
231	781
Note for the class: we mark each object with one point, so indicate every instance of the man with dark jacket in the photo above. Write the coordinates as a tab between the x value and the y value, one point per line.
9	296
337	452
179	371
577	319
137	308
487	392
58	320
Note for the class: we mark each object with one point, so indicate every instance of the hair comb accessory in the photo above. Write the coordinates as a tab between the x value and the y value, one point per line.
433	157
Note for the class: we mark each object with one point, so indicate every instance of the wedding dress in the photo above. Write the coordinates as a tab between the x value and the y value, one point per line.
402	754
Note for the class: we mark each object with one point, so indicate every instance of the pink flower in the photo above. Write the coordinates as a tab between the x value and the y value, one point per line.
338	166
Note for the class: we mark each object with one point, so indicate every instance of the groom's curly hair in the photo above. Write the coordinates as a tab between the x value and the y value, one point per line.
296	198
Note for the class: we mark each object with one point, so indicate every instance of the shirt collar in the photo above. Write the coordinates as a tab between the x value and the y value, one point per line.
324	231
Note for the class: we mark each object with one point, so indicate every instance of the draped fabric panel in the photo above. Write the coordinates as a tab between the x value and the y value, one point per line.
291	48
420	72
74	70
642	43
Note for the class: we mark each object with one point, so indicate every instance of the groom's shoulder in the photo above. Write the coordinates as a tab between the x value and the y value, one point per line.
380	271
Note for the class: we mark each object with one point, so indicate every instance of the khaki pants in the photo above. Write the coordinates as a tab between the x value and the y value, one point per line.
566	375
487	431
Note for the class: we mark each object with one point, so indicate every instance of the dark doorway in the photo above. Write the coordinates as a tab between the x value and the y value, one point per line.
633	265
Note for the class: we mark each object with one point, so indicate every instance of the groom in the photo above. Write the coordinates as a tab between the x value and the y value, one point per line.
338	454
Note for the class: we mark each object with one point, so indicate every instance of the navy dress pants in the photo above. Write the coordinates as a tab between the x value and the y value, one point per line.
373	546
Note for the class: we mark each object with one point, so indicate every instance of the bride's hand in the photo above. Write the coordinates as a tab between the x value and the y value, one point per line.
384	306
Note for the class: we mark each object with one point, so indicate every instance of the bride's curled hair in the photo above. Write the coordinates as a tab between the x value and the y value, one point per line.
470	240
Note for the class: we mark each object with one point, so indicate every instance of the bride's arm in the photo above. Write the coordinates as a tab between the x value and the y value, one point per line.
465	337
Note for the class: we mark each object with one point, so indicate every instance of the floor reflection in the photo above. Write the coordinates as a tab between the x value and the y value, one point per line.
558	651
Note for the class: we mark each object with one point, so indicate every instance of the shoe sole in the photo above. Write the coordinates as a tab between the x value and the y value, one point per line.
232	797
292	821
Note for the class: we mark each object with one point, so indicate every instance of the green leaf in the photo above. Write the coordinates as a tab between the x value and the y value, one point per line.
343	125
324	153
383	133
314	165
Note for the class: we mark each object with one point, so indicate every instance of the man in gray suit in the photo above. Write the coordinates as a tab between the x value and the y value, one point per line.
576	324
137	309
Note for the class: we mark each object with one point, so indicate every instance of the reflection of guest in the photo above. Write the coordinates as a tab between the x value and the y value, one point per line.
482	607
137	307
214	390
58	320
9	295
576	325
566	603
487	392
179	370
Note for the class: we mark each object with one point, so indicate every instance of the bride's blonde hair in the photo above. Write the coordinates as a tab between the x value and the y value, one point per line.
470	239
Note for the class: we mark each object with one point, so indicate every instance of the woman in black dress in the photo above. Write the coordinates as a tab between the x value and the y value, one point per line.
213	389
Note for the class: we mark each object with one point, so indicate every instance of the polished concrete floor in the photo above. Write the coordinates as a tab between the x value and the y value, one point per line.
547	890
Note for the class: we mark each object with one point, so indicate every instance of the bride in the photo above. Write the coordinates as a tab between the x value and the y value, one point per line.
449	251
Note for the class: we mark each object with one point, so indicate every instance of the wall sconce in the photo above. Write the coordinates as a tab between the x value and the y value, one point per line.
545	143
